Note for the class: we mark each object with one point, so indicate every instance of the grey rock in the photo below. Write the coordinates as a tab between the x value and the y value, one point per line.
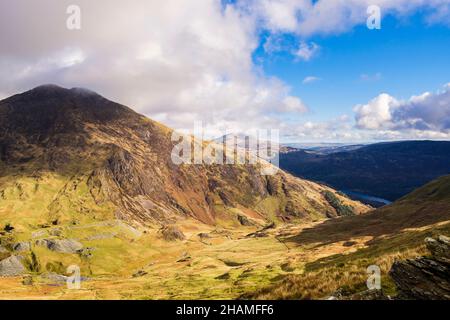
54	277
11	266
21	246
425	278
172	233
63	245
38	234
439	248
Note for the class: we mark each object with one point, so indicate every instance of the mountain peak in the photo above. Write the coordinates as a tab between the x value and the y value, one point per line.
53	89
47	89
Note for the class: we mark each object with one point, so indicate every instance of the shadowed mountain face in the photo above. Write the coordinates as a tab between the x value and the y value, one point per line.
385	170
67	154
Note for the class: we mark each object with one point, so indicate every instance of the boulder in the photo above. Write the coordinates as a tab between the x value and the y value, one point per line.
21	246
38	234
244	221
425	278
63	245
11	266
54	277
439	248
172	233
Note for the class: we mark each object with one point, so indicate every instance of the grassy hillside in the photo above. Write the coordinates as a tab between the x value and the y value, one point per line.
380	237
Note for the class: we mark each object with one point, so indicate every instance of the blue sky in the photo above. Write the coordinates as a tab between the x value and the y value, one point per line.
405	58
242	64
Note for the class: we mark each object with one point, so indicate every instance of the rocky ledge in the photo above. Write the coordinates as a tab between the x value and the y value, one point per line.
425	278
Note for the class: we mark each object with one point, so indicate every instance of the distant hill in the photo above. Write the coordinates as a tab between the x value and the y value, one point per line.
386	170
322	148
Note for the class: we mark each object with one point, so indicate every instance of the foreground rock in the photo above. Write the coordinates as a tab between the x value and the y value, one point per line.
11	266
425	278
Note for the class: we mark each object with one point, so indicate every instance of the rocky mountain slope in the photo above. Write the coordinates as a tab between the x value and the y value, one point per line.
72	156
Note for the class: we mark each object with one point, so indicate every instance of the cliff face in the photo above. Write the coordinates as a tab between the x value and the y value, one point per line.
77	154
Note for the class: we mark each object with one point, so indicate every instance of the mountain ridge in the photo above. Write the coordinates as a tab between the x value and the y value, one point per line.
120	159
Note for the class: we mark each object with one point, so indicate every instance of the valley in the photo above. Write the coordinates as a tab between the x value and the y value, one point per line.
88	184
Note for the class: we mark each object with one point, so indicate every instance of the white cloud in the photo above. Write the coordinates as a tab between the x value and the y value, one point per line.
293	104
176	61
376	113
311	79
307	51
307	18
422	116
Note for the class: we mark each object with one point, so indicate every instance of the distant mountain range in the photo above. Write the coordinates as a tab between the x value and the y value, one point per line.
321	148
386	170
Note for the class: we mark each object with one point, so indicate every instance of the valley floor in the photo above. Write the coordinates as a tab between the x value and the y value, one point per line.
288	261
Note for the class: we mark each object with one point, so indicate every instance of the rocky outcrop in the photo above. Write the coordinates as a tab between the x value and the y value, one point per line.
425	278
63	245
11	266
172	233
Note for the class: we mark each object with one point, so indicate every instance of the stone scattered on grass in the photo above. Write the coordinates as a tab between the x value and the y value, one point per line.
21	246
139	273
63	245
11	266
243	220
172	233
